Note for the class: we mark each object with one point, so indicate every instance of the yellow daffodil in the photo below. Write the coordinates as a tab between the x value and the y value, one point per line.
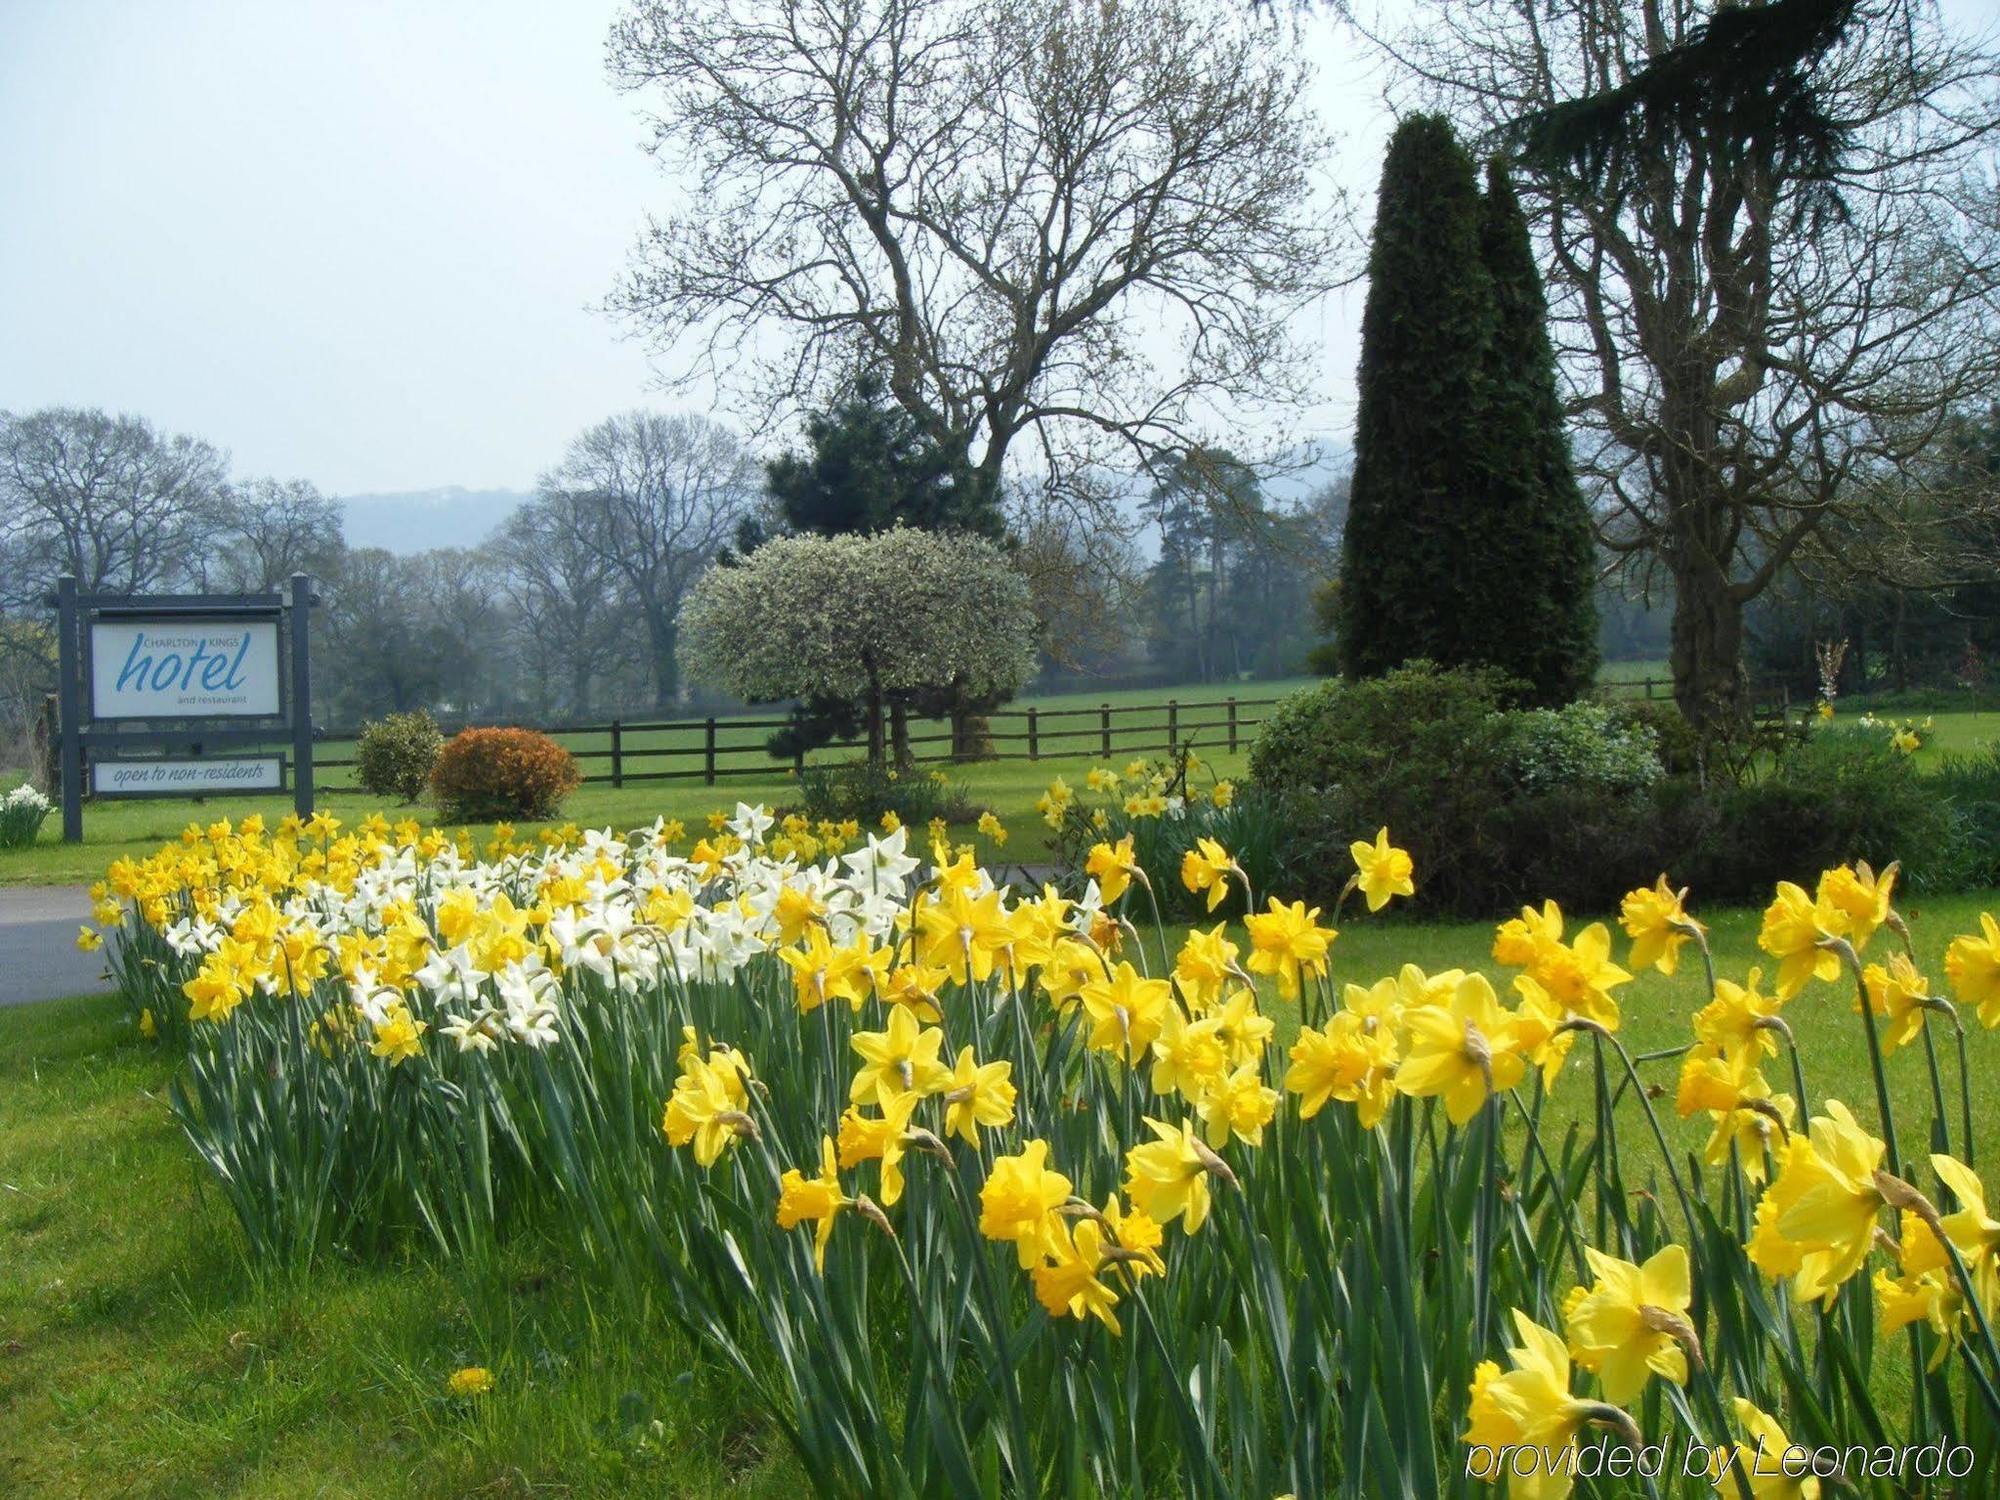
1127	1012
398	1036
1824	1206
1530	1407
978	1094
1972	964
1383	871
818	1199
1794	927
1288	943
708	1107
1900	995
1207	867
1070	1282
1110	865
901	1060
1019	1201
1167	1177
1350	1061
1762	1458
1657	922
1462	1052
1631	1323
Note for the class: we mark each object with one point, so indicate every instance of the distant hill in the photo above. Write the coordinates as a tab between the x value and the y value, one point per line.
418	520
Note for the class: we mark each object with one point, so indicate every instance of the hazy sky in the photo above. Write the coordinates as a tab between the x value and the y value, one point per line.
360	243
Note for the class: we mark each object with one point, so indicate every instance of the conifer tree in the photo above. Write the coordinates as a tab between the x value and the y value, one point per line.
1542	546
1414	574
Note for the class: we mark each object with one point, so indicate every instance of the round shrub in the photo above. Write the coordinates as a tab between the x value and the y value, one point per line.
485	774
1580	747
1421	749
1678	745
394	755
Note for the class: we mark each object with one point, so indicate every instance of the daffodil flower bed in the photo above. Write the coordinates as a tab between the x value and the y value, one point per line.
992	1192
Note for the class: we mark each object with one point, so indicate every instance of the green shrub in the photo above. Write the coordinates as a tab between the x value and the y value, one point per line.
486	774
394	755
1675	740
1500	806
1841	795
1420	749
862	791
1581	747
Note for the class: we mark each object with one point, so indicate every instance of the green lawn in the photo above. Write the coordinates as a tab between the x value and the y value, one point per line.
138	1357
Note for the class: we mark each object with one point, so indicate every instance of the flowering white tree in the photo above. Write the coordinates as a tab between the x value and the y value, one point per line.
890	618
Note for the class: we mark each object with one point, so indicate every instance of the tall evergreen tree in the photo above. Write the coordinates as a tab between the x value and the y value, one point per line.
1413	574
1543	546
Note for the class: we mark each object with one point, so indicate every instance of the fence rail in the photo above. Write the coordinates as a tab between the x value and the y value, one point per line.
622	751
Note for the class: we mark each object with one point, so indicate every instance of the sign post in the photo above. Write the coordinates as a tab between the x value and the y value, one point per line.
189	680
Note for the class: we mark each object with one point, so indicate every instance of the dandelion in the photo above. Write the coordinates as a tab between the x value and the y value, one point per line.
473	1380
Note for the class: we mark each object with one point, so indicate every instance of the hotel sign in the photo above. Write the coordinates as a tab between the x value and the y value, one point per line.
183	695
184	669
187	778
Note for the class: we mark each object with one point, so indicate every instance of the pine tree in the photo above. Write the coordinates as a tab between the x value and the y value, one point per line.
1414	580
1542	544
868	467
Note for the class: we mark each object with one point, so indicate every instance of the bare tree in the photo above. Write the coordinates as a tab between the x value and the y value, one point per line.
105	498
1080	223
1745	368
653	499
271	529
567	596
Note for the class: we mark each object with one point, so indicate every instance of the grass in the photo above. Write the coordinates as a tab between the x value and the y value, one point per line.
138	1356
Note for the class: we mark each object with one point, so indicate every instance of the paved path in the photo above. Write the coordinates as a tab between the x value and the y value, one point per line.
38	954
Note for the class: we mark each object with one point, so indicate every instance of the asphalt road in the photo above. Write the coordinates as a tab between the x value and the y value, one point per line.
38	953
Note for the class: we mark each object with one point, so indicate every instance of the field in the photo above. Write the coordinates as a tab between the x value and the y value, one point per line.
1007	786
136	1357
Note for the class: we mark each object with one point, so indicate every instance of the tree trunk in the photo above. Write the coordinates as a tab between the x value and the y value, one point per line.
899	734
1707	650
660	635
874	712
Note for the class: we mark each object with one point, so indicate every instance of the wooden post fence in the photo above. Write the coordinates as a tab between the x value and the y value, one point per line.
1104	719
1232	726
1173	728
708	751
618	755
1034	736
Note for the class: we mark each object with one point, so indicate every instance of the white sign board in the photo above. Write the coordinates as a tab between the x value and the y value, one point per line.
186	778
183	669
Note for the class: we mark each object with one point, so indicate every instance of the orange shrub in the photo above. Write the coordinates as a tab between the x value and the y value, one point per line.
484	774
